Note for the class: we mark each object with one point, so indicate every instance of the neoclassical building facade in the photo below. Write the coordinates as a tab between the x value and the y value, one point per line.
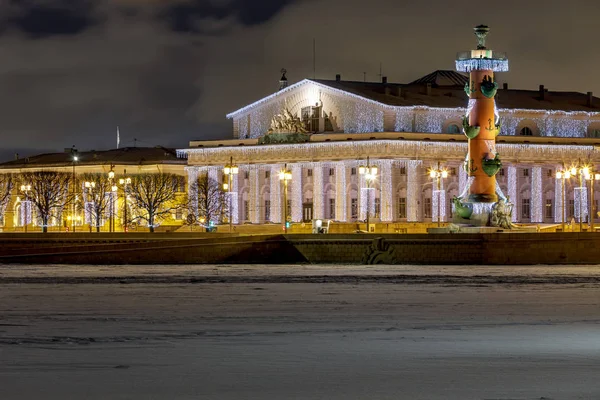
404	130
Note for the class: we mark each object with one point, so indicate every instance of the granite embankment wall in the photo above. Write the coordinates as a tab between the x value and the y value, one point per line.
491	249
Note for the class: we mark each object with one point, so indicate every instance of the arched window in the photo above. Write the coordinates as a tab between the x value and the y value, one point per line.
526	131
452	128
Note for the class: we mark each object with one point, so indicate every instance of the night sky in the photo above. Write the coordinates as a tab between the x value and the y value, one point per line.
167	71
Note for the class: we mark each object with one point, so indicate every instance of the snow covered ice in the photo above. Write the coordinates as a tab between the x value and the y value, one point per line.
299	332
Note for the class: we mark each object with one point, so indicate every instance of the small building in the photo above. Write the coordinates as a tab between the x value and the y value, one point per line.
123	162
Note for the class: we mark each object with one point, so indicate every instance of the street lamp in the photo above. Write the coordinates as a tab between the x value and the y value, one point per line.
113	188
230	170
370	173
592	177
438	174
124	182
583	172
285	176
565	175
26	189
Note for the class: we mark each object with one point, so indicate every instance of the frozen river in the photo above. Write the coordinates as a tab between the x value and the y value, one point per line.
299	332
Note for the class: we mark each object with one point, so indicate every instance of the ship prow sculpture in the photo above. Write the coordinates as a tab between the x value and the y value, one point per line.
482	202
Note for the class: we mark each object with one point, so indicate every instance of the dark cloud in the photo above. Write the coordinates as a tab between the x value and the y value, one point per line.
40	19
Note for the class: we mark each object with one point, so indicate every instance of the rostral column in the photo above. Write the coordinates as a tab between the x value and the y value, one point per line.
481	123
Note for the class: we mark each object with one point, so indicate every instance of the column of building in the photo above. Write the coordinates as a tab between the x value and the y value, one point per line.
295	192
537	195
559	210
276	200
214	176
192	184
340	192
254	194
235	199
318	195
386	193
512	191
413	190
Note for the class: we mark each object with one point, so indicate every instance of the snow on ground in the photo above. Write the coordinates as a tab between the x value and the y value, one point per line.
299	332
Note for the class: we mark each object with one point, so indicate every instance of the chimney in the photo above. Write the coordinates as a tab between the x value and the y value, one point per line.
505	86
542	92
338	77
283	82
384	79
590	99
428	89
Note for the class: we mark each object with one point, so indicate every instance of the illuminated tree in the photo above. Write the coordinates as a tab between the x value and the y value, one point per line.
6	187
211	199
97	196
154	197
49	194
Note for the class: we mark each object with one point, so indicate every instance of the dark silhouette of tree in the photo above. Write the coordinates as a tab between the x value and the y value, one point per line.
49	194
6	186
212	204
153	197
97	195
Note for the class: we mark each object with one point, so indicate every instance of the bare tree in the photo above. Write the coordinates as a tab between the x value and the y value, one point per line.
212	202
49	194
153	197
97	196
6	187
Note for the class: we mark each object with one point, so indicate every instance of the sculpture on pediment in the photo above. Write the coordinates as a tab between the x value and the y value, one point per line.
286	122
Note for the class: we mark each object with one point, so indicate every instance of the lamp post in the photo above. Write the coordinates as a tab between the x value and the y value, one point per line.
124	182
438	174
285	176
369	172
75	159
113	191
230	170
564	175
592	177
583	173
26	189
89	186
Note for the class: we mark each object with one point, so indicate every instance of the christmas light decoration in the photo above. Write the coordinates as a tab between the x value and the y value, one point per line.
297	198
340	192
512	190
386	190
580	195
537	201
558	203
276	194
413	189
470	64
254	195
318	195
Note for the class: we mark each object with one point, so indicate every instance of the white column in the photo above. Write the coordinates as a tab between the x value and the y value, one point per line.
254	193
438	196
537	195
276	194
214	176
463	180
192	183
512	191
558	201
413	190
318	195
340	192
580	195
233	193
386	191
295	189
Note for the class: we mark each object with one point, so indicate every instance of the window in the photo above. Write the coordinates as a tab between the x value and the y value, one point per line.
594	133
331	171
331	208
267	210
550	173
402	170
246	174
525	208
267	174
526	172
526	131
453	171
354	208
501	172
309	172
571	211
427	207
452	128
246	211
353	171
377	207
401	207
549	213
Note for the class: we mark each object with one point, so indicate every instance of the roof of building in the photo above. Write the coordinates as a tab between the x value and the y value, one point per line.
447	91
122	156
